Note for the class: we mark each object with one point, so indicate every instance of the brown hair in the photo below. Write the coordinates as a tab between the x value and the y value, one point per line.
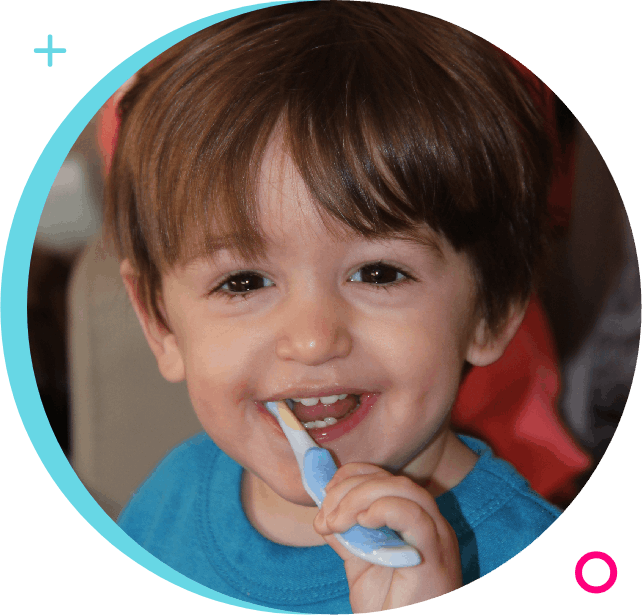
393	118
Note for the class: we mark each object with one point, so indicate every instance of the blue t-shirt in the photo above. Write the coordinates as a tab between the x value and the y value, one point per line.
189	515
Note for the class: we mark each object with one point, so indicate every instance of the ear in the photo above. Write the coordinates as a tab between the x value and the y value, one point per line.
486	346
160	339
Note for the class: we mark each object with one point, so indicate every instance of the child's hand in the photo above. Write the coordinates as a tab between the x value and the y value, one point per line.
365	494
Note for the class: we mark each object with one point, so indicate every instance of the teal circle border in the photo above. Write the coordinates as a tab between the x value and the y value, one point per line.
13	308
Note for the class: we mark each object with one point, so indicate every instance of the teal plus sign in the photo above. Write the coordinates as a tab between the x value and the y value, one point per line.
50	50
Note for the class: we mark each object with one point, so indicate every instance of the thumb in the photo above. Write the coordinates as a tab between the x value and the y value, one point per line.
355	566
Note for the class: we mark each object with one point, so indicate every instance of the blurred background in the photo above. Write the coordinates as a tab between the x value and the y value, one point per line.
115	417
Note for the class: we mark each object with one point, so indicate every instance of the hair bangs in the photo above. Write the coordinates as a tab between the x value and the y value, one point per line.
394	120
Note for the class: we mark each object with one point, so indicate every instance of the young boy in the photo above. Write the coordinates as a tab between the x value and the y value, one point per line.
338	204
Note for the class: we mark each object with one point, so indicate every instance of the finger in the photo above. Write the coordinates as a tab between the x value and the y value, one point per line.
358	496
407	518
349	558
434	537
333	498
357	568
368	582
353	469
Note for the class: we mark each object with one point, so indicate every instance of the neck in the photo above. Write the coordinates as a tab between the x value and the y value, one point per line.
442	465
439	467
276	518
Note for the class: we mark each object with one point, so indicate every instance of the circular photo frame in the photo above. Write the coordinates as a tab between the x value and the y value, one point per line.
19	351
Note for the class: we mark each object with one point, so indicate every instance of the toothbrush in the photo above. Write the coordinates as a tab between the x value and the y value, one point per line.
380	546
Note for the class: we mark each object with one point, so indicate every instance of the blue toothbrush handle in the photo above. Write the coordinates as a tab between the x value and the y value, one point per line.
380	546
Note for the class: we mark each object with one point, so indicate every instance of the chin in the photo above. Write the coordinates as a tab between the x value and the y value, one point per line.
301	498
295	494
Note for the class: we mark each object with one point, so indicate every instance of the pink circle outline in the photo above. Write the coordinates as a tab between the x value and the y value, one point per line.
596	589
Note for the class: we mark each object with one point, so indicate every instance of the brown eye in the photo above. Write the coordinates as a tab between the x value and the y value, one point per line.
245	282
378	273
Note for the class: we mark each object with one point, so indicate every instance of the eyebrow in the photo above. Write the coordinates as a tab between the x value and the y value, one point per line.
234	242
424	240
237	243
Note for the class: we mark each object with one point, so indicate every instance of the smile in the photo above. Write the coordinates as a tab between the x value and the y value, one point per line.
330	417
321	412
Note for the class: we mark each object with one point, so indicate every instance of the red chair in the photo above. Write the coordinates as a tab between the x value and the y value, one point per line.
512	404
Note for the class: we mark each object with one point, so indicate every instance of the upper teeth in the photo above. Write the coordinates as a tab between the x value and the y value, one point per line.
326	401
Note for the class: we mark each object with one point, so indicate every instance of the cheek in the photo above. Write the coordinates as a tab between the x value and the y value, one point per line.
214	391
224	365
420	345
222	354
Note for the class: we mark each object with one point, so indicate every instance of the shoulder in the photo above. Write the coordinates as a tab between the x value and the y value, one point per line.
496	485
180	464
170	489
494	511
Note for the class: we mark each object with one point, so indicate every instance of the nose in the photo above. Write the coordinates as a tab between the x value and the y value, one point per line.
314	332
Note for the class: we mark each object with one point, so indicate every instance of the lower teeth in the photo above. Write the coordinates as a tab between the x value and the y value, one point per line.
318	424
327	422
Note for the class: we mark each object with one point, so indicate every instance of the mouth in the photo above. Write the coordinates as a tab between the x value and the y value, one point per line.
330	417
322	412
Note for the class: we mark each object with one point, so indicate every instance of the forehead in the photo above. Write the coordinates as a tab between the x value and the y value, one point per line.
283	199
286	206
283	210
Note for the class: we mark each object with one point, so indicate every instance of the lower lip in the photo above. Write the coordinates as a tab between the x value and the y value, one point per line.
332	432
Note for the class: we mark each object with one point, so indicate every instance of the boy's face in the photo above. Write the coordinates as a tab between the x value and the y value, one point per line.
387	324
